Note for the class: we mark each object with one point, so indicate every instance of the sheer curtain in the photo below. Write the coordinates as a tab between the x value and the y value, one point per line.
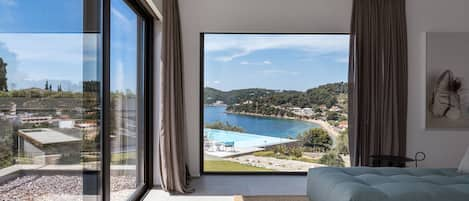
377	80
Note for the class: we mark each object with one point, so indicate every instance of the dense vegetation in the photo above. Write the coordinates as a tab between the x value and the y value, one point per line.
224	126
263	109
332	159
342	146
322	95
6	144
317	138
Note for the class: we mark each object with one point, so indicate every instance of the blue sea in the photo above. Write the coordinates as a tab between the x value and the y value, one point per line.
266	126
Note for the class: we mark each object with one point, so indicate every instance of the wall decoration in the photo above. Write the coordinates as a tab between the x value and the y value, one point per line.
447	80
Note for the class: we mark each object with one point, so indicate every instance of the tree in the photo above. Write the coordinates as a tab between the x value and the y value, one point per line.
317	138
59	88
50	87
6	144
342	143
47	85
224	126
333	159
3	76
332	116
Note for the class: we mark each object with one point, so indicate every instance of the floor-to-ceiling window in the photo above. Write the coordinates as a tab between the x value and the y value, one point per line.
127	98
72	100
273	102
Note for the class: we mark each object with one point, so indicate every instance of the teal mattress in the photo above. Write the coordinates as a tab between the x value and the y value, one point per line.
387	184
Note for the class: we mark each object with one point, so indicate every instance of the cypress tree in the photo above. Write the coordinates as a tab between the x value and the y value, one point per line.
3	75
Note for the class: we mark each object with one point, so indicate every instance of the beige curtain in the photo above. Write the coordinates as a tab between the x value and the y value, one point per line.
377	80
173	171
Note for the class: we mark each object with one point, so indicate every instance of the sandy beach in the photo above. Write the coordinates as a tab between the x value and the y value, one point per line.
323	124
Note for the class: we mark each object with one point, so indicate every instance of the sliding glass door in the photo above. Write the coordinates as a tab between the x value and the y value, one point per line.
73	98
127	98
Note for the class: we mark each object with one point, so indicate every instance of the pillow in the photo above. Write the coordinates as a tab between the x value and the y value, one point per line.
464	165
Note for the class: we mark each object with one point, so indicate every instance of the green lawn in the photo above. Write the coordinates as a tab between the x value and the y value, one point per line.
123	158
228	166
285	157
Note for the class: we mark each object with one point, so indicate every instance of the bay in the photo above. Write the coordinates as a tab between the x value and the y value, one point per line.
274	127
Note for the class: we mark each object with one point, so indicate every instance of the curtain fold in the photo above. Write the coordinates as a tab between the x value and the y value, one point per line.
171	147
377	80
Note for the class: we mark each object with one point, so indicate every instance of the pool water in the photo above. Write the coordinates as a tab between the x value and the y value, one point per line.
243	140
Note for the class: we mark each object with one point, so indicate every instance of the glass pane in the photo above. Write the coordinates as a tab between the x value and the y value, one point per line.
125	101
275	102
49	100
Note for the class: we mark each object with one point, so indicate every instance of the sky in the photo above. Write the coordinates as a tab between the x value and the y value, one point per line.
44	40
274	61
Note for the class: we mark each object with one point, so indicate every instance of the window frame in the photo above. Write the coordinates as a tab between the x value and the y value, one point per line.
201	102
145	54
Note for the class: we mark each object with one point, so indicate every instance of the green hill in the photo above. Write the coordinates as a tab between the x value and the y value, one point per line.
328	94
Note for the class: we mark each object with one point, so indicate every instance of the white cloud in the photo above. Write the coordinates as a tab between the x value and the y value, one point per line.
62	54
275	72
121	17
216	82
266	62
242	45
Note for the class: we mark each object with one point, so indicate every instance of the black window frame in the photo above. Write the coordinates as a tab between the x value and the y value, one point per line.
145	86
201	103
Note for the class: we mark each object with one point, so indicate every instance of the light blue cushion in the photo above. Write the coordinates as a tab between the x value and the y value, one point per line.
387	184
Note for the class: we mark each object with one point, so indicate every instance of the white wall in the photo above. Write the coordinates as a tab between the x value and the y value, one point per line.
246	16
444	149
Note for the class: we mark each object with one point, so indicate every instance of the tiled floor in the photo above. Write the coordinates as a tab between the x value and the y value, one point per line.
222	188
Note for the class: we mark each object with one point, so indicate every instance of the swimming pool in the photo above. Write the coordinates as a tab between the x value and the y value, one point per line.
243	140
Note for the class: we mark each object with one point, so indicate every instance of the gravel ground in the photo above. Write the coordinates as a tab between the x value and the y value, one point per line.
274	163
58	188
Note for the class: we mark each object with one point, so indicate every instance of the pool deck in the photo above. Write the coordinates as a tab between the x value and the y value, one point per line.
246	145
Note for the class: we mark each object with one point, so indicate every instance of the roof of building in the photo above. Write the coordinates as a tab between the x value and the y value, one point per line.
45	136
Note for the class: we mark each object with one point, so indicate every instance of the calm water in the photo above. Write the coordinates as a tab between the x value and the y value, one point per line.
258	125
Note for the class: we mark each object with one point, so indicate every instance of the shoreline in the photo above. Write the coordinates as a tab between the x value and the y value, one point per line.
323	124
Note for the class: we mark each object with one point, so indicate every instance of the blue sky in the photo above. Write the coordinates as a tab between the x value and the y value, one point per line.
43	40
282	61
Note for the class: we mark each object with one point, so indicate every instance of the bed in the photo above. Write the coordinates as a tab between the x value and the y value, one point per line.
387	184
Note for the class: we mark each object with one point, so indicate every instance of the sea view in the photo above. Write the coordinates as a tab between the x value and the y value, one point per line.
273	127
275	108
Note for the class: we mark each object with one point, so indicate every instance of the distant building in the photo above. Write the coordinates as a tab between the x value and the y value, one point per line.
66	123
248	102
343	125
308	112
335	109
86	125
12	111
35	119
303	111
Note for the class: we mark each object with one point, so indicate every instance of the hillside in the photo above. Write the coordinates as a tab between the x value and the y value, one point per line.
328	94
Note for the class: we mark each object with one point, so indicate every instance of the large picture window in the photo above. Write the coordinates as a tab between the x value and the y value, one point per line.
273	102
